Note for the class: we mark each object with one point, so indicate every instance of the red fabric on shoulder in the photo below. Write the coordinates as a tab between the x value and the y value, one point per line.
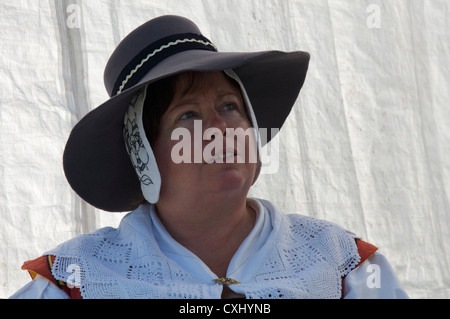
365	250
42	266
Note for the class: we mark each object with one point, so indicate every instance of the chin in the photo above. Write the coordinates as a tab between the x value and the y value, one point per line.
231	179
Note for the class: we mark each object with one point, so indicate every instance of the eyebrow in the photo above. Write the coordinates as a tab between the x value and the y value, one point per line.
183	102
194	101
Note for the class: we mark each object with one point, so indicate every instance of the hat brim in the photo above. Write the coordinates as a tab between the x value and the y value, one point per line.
95	160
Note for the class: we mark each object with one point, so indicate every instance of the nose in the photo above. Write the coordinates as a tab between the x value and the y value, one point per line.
214	122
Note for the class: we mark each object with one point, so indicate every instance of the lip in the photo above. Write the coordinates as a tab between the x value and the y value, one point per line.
222	157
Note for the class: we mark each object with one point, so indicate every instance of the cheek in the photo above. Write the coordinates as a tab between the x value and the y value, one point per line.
161	149
172	155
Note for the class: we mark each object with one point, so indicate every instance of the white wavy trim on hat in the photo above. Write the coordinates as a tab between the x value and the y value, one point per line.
165	46
139	149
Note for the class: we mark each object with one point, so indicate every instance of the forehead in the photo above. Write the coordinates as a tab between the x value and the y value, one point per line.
197	82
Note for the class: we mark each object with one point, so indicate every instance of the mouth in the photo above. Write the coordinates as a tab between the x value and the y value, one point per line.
221	158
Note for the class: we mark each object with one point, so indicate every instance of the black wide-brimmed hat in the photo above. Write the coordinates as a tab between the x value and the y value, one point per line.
96	162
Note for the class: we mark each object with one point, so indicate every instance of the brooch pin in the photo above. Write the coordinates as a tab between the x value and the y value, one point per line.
226	281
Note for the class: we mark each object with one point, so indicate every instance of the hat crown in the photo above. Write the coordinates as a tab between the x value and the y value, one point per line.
135	42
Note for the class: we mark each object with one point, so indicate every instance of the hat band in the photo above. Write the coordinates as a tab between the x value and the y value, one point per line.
155	53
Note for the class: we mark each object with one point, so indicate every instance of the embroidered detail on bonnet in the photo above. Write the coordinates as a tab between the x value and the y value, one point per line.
303	258
139	149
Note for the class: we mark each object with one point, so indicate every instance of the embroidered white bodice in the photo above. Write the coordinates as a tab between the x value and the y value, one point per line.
285	256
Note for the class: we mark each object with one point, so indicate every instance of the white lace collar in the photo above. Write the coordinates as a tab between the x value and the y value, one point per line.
285	256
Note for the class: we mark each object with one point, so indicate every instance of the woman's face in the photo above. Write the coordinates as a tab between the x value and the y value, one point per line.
205	144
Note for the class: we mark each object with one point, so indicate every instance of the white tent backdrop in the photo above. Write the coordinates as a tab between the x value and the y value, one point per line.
367	145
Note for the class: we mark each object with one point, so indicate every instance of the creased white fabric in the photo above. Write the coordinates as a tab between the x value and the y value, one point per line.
39	288
366	145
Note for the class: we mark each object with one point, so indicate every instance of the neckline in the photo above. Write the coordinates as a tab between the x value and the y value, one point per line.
189	261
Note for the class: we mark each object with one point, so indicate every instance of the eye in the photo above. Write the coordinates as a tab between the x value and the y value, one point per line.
186	115
229	107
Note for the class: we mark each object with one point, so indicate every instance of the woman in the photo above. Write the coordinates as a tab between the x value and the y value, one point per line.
187	113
